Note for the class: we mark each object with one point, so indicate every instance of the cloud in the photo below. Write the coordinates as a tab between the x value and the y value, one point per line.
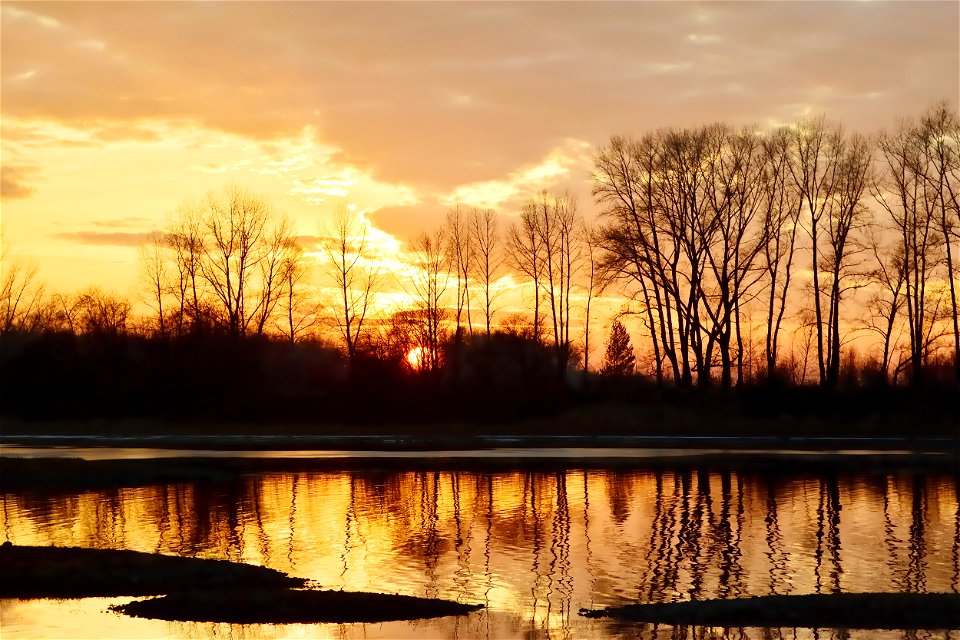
13	181
526	181
436	95
108	238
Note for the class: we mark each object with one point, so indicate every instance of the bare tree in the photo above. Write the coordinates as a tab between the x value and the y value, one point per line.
153	268
185	239
830	171
910	199
940	132
429	286
463	250
99	313
626	182
813	167
780	223
591	245
240	262
732	241
228	255
357	280
21	296
524	250
485	237
887	299
301	312
554	220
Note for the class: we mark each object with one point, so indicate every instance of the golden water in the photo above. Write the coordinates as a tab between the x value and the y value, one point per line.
534	547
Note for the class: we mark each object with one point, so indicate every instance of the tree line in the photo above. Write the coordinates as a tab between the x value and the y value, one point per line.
806	234
704	224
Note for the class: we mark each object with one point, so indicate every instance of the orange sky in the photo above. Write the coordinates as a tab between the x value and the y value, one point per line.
113	114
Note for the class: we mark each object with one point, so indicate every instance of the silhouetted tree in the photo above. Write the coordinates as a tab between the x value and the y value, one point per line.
886	301
556	222
228	253
486	242
99	313
462	253
429	287
591	245
909	198
940	130
524	249
21	296
154	272
831	171
619	359
780	223
349	263
300	311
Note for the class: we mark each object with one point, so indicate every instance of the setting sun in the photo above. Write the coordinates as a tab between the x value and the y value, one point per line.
415	357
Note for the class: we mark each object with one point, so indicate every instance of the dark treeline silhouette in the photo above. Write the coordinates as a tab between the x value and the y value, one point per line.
214	376
747	258
704	223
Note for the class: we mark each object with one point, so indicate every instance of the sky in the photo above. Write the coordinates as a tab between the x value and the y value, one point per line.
115	114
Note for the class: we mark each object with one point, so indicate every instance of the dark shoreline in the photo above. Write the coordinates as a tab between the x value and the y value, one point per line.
834	610
75	572
69	475
405	441
199	589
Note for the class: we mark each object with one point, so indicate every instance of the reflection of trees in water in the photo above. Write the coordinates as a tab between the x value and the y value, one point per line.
650	536
828	537
559	573
955	552
729	537
778	557
916	581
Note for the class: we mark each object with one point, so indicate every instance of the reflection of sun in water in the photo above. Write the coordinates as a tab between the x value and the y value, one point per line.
415	357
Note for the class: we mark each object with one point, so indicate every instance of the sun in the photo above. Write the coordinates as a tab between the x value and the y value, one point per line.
415	357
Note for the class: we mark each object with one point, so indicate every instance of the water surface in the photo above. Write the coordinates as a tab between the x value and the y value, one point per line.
533	546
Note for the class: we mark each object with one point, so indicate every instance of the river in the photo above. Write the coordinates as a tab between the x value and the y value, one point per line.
533	545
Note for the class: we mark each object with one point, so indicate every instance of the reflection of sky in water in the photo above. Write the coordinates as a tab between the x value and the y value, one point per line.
534	547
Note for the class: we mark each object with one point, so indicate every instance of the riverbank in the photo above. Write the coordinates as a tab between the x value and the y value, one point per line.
835	610
72	572
199	589
283	607
138	468
655	425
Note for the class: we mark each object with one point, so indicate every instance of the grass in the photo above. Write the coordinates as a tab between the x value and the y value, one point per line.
839	610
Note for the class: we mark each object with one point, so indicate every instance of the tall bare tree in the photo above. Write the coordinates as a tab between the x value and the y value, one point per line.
830	171
349	262
554	219
780	222
524	248
625	182
485	236
462	254
940	129
21	295
591	246
301	311
886	299
733	240
154	267
429	287
910	198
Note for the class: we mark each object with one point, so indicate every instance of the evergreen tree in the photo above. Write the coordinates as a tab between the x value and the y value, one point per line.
619	359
